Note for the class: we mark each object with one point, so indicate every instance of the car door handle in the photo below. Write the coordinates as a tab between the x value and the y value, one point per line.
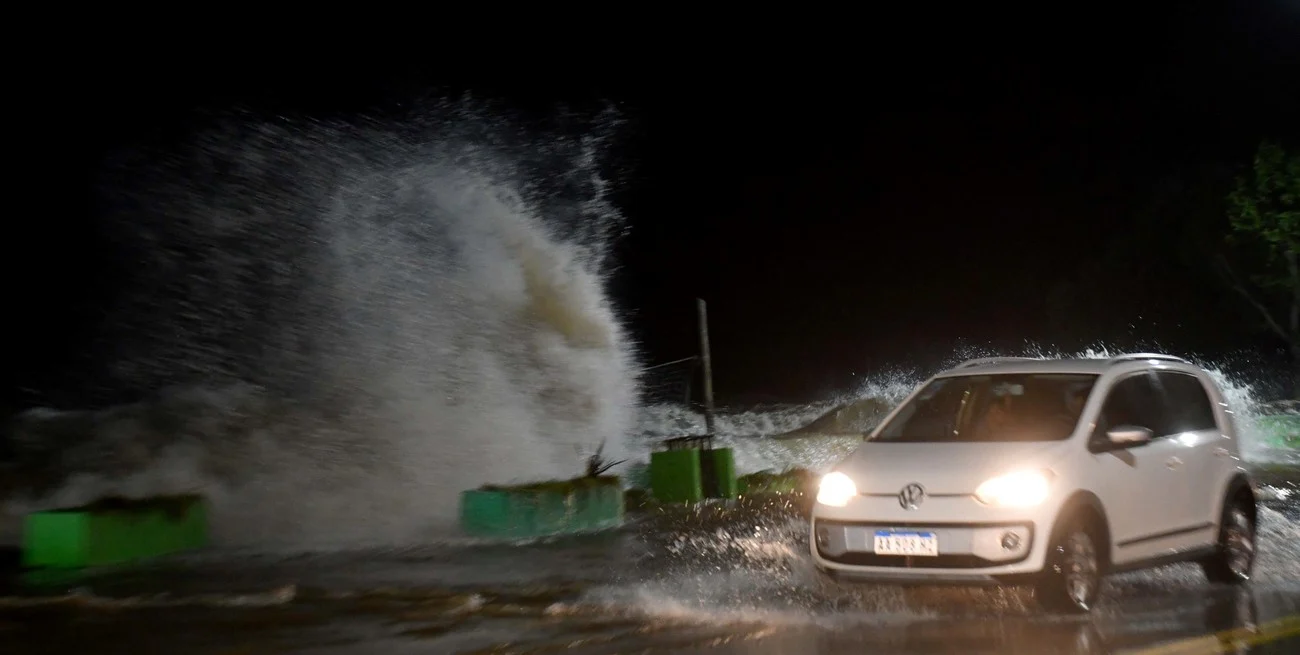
1173	463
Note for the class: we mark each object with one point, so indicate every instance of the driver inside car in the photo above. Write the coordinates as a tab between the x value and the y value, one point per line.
1000	419
1067	417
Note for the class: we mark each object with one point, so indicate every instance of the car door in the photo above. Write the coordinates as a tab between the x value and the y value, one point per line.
1194	429
1138	485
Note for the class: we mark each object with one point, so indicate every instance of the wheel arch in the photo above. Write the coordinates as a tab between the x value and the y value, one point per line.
1086	502
1238	485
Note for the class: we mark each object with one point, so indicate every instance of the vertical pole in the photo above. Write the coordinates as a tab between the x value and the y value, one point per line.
708	365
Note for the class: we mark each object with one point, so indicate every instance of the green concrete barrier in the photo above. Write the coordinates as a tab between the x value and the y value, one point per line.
718	473
543	509
675	476
691	469
114	531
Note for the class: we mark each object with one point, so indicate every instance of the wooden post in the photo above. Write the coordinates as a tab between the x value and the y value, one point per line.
708	365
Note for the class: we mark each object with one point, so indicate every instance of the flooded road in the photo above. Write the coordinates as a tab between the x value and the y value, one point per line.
716	579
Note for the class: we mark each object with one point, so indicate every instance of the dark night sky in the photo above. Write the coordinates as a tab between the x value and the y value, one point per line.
843	202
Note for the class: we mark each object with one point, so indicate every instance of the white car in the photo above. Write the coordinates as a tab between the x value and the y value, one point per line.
1051	473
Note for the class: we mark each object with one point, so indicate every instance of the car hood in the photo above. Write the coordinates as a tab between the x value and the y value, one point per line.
942	468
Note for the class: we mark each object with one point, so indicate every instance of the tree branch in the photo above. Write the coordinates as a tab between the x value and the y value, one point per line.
1226	269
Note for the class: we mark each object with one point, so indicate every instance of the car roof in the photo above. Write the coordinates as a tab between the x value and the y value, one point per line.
1092	366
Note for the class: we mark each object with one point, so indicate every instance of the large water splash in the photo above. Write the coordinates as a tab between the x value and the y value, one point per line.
341	326
349	325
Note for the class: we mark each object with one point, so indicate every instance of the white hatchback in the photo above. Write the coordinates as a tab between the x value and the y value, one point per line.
1051	473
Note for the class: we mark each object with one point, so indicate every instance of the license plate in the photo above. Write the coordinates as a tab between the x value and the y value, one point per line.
924	544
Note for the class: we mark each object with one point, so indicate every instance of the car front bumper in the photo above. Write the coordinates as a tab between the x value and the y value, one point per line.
977	544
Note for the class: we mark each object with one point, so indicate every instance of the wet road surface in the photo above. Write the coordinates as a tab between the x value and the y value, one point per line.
710	580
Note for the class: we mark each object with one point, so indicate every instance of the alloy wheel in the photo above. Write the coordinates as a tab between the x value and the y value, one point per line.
1239	543
1080	568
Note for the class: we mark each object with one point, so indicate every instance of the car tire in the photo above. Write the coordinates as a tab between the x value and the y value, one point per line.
1234	554
1072	579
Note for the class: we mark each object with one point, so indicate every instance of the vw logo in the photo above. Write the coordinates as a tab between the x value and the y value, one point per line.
911	496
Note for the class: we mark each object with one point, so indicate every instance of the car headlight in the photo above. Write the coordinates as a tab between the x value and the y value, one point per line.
1018	489
836	489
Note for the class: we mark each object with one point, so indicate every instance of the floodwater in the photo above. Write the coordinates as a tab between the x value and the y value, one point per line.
725	578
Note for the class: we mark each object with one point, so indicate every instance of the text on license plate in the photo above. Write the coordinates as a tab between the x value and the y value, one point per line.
925	544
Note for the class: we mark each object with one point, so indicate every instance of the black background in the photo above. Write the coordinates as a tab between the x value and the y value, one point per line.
845	202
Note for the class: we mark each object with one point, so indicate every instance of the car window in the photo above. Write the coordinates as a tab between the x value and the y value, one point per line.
1166	403
992	408
1189	406
1135	400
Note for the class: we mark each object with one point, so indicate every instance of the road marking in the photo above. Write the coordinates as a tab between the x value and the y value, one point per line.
1229	641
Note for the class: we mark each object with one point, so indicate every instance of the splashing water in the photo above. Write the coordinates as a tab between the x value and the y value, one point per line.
343	326
351	324
748	431
235	440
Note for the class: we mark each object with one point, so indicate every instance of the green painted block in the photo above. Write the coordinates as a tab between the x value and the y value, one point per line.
543	510
488	512
675	476
718	473
114	531
599	508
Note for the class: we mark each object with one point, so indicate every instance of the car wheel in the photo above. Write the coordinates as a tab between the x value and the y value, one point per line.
1071	582
1234	556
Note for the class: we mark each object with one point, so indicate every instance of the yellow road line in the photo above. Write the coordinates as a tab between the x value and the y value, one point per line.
1230	640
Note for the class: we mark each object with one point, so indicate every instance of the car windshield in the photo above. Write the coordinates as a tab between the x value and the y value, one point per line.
988	408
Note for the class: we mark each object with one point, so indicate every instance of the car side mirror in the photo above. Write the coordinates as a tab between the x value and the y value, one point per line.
1128	436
